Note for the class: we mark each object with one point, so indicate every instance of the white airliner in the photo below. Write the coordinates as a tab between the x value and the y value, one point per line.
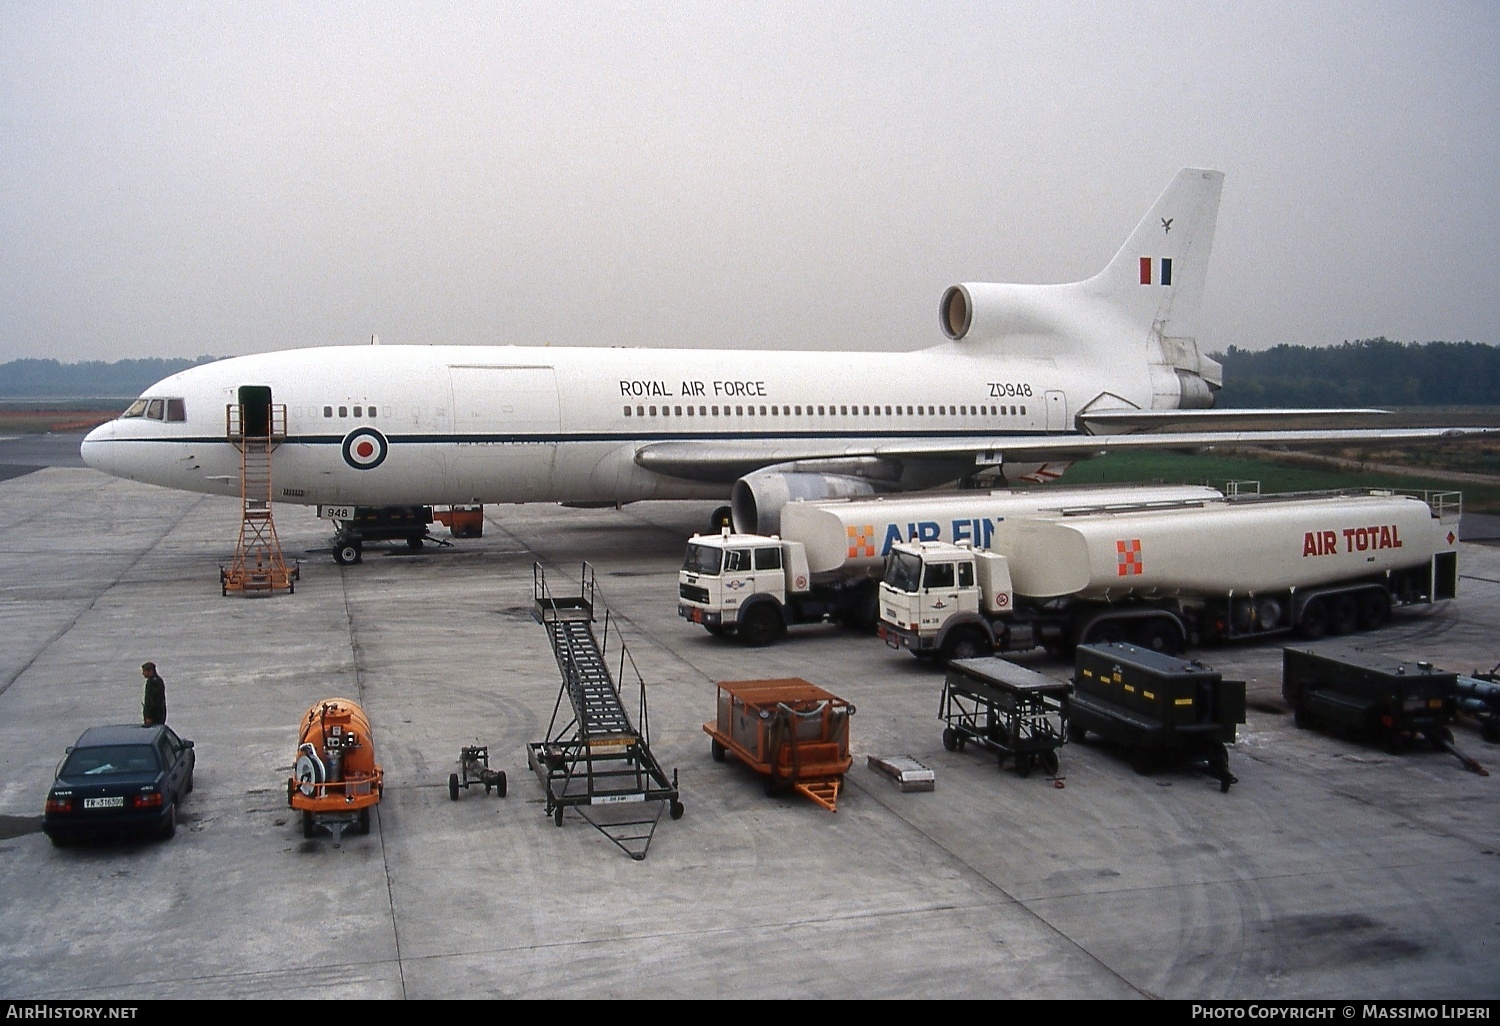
1031	378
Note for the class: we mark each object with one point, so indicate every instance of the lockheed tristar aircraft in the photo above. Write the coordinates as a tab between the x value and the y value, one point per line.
1030	378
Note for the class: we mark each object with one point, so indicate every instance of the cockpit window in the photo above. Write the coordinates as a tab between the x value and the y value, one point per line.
157	409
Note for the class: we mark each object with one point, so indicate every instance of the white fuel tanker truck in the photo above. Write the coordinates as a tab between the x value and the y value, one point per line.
827	562
1162	578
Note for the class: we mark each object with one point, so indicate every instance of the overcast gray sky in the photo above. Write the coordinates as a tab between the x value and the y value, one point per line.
220	178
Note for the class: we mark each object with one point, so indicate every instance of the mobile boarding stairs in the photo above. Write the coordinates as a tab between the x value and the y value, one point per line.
595	760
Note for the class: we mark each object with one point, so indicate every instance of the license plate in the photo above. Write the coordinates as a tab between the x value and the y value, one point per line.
104	803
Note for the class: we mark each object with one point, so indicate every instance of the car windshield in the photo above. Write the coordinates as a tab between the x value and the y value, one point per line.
704	560
109	759
903	570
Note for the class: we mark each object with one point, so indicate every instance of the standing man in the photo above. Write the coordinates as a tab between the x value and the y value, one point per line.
154	703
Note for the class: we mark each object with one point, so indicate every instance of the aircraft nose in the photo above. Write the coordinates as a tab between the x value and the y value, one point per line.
95	448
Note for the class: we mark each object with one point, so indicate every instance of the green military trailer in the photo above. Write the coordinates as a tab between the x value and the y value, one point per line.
1155	706
1369	696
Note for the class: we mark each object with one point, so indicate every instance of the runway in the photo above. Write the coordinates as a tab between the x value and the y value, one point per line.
1330	870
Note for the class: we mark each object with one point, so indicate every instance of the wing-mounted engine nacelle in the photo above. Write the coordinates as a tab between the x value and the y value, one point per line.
757	499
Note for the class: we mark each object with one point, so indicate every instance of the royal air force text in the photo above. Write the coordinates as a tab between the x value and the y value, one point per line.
641	389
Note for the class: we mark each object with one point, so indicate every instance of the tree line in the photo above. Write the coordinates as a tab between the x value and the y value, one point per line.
46	379
1369	372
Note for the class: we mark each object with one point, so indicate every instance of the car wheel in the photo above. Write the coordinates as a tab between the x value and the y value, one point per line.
187	785
169	828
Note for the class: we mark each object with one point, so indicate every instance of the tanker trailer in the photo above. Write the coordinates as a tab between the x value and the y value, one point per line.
336	779
826	563
1246	567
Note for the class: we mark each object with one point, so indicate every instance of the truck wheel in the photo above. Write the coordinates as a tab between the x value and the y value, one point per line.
453	787
1314	622
950	739
1490	731
1343	614
1048	761
309	829
1104	632
414	542
500	785
716	749
965	644
345	553
761	627
864	611
363	825
1374	610
1076	732
1160	635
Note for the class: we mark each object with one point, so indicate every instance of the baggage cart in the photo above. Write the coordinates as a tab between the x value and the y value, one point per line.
795	734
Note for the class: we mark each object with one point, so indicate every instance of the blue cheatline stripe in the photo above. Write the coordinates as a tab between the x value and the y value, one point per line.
657	436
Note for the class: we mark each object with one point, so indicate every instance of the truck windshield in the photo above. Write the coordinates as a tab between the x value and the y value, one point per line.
903	571
703	560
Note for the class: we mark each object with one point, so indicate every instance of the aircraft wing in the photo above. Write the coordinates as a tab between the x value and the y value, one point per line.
1114	421
726	460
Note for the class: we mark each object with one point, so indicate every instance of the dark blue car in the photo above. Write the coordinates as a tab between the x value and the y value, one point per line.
125	779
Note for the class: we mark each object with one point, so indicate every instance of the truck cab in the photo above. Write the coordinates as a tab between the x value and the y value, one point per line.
941	597
738	583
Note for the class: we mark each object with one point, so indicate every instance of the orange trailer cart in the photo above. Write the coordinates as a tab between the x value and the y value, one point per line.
335	778
793	733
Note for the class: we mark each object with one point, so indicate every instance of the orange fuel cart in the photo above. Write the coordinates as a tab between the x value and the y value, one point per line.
793	733
335	778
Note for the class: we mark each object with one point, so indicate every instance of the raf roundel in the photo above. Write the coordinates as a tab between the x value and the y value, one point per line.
365	448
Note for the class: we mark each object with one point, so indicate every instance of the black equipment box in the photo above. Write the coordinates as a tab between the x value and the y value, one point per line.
1155	705
1006	709
1387	699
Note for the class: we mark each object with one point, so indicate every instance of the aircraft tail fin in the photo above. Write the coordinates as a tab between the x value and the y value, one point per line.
1157	278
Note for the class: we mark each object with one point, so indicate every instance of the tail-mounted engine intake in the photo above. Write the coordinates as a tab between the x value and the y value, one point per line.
980	310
